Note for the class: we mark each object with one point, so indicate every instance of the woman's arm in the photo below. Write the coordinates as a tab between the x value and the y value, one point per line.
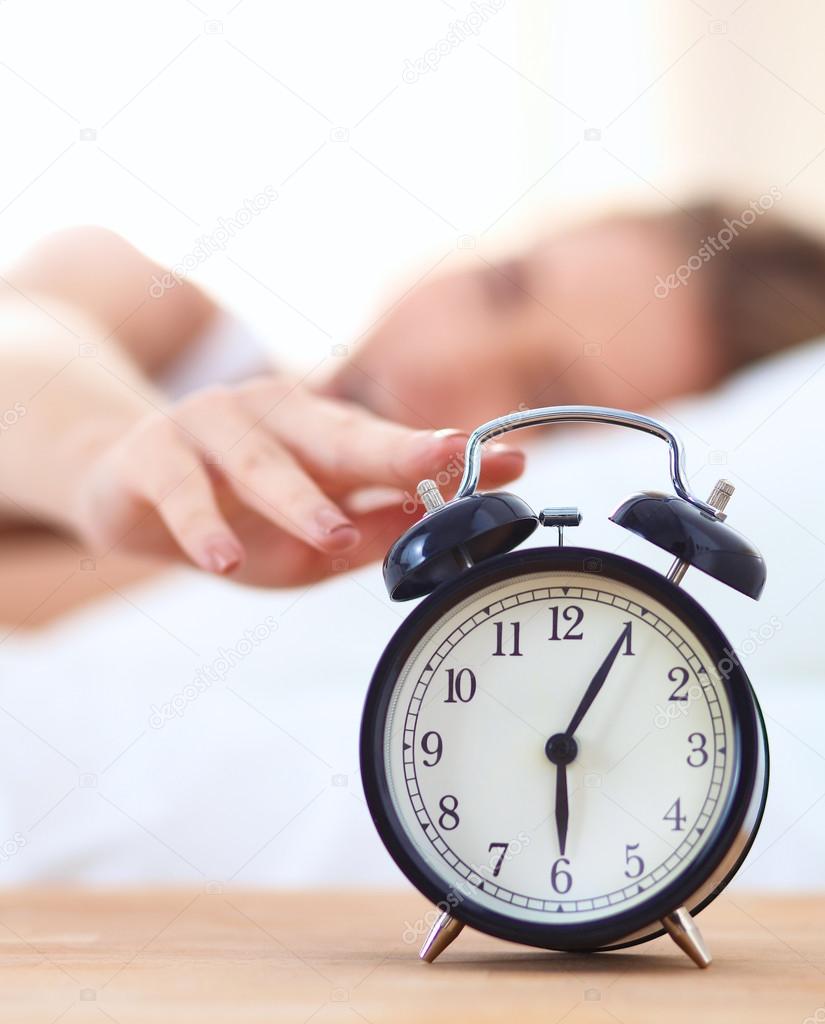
255	480
127	294
63	389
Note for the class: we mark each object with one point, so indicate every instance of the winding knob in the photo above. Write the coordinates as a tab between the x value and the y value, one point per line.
720	496
430	495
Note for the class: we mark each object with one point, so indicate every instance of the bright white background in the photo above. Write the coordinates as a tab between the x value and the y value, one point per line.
159	119
198	106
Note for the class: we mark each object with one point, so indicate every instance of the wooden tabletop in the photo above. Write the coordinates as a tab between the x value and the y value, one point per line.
328	957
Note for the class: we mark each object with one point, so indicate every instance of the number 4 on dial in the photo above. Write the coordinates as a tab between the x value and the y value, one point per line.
675	815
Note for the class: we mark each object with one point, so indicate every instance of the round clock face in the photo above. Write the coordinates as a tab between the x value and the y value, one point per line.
558	747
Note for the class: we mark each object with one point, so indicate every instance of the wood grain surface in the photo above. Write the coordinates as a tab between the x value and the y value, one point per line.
227	955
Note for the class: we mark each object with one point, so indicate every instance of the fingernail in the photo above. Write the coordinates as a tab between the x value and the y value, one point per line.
223	555
334	524
341	538
450	432
500	448
427	439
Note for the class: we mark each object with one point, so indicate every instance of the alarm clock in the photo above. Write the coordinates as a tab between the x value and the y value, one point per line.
559	746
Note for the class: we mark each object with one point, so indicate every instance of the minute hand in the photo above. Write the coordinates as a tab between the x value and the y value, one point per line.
596	683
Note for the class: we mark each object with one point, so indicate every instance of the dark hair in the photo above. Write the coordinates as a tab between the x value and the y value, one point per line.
766	287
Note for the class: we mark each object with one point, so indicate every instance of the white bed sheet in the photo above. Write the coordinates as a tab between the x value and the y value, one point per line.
254	778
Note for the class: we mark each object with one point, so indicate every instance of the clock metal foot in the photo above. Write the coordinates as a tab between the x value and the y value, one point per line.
681	927
442	933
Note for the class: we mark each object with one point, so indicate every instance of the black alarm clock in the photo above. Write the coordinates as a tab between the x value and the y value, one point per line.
559	746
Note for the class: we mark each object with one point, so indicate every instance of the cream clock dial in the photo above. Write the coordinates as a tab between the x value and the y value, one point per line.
544	825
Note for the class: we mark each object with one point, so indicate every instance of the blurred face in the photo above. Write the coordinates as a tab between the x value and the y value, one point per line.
572	320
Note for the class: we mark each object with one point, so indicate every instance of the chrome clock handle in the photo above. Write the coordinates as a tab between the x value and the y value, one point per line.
578	414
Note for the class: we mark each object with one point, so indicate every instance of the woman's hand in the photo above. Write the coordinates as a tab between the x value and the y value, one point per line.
256	481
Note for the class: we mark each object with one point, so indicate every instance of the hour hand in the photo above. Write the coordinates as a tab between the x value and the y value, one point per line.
562	806
561	750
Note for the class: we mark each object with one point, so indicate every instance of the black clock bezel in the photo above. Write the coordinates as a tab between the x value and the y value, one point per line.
588	935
